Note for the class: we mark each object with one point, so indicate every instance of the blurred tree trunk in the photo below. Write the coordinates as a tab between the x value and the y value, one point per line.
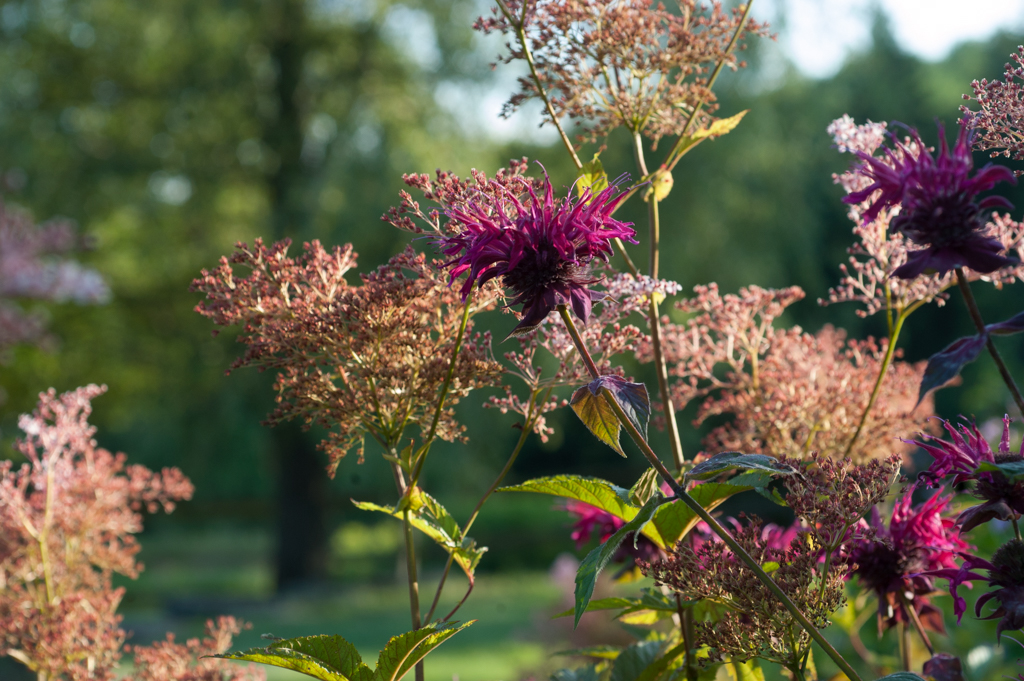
301	556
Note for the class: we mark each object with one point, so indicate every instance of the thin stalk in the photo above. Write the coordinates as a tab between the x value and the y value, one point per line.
972	307
414	587
909	607
699	510
527	426
44	533
686	626
904	632
673	156
654	316
520	26
1016	529
421	455
894	334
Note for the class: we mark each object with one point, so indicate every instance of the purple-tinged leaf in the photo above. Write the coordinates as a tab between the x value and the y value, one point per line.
597	416
945	365
724	461
632	397
1014	324
943	667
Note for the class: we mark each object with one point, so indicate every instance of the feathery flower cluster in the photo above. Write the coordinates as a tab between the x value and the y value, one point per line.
938	204
541	248
630	63
191	661
31	267
340	348
753	624
828	498
67	520
789	392
880	251
1000	113
361	360
890	560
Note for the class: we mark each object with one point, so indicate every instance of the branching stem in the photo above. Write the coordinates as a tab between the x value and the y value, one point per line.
972	307
690	502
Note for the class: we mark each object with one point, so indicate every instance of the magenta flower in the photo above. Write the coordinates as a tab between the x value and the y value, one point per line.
1003	498
592	521
938	204
540	248
1005	571
891	562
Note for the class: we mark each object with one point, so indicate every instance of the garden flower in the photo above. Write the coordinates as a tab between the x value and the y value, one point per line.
1005	571
892	560
939	206
592	521
1004	498
540	248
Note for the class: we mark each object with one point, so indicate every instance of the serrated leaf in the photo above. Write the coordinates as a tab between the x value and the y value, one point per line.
673	520
647	486
944	366
632	397
596	560
597	416
634	659
725	461
435	522
592	176
403	652
594	491
1014	324
1011	470
716	129
601	652
328	658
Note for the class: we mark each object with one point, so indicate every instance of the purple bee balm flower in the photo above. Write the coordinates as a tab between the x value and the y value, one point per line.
541	248
938	204
891	560
1003	498
1005	571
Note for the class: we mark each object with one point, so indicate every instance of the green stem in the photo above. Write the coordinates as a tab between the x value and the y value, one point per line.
654	316
690	502
972	307
904	632
414	587
912	613
520	27
527	427
673	156
894	334
1016	528
686	626
421	455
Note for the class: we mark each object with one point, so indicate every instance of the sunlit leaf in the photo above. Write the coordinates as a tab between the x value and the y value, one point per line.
745	671
647	486
598	417
716	129
944	366
725	461
601	652
596	560
592	176
403	652
328	658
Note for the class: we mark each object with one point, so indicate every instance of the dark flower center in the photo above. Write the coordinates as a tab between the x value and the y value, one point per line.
541	268
881	565
944	220
1009	564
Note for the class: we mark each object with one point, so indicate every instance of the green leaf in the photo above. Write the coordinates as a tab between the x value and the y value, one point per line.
672	659
403	652
634	659
602	604
329	658
661	185
647	486
594	491
596	560
716	129
746	671
592	176
673	520
433	520
1013	471
597	416
601	652
724	461
901	676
